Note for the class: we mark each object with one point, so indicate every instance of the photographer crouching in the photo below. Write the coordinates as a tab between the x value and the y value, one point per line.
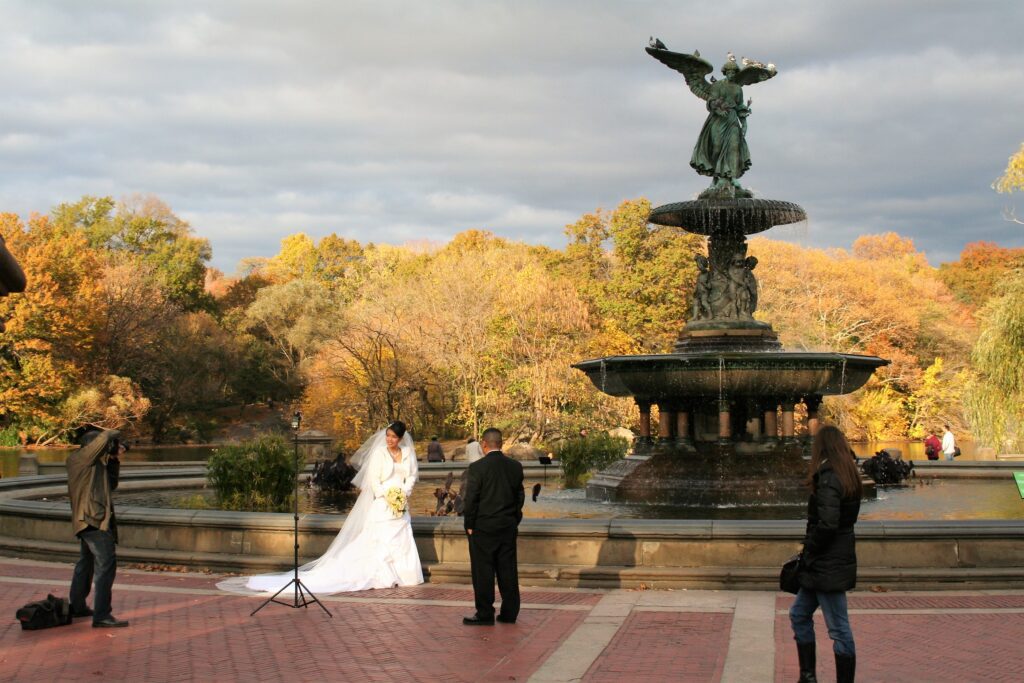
93	472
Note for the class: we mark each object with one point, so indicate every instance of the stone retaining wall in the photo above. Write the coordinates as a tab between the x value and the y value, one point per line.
583	552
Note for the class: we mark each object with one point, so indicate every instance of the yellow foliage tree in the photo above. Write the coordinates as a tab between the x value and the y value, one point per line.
51	328
1012	179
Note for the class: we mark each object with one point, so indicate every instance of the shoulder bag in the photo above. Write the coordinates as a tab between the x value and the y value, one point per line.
789	577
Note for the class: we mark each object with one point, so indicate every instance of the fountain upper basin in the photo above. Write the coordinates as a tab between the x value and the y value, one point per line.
738	373
711	216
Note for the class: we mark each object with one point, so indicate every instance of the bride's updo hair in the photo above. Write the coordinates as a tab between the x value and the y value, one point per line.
398	428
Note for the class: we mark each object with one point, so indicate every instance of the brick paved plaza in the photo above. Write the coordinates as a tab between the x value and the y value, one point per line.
184	629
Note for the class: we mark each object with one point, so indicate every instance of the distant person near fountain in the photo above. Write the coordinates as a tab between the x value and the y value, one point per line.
932	446
435	452
949	447
829	559
473	450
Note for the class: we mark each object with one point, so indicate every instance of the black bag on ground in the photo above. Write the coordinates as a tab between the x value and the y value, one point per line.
789	577
44	613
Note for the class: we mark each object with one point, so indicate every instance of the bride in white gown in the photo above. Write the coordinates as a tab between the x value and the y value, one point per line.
375	548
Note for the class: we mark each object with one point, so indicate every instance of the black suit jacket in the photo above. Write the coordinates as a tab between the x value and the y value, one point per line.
494	494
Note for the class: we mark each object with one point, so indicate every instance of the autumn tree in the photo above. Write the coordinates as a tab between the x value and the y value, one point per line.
146	228
640	287
52	329
884	300
1012	180
193	379
293	318
995	397
981	266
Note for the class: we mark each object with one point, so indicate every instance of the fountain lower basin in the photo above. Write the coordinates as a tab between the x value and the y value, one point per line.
718	438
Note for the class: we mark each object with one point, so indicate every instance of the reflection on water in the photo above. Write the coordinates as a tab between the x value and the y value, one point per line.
947	499
921	500
52	456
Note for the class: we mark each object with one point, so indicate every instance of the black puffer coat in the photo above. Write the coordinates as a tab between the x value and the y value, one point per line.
830	553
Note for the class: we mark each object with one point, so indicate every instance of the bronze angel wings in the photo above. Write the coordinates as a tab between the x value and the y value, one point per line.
695	68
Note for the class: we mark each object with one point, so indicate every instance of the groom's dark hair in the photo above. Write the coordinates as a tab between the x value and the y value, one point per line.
492	436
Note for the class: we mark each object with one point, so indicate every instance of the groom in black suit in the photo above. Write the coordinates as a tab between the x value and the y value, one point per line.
494	499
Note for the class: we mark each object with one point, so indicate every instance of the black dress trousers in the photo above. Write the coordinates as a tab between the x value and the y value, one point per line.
494	554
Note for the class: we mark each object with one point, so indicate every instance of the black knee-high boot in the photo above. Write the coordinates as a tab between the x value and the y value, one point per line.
805	651
846	666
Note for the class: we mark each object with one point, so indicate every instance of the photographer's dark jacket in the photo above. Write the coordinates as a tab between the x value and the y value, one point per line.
830	553
92	475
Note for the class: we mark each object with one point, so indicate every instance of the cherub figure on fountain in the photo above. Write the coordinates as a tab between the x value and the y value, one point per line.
702	294
743	286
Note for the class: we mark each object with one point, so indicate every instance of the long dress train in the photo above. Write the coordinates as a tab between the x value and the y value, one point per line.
374	549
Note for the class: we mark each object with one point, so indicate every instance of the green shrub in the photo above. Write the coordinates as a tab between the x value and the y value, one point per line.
256	475
9	437
579	457
194	502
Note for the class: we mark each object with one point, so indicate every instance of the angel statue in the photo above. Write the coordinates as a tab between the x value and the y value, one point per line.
721	150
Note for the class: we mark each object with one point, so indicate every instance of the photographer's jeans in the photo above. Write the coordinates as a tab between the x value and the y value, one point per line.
833	608
97	559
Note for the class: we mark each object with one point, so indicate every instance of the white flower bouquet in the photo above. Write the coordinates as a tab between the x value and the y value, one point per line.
396	500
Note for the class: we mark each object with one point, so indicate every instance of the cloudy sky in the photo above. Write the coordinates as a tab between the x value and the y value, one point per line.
397	121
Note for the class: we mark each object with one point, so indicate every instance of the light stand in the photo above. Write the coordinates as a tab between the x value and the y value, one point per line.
301	591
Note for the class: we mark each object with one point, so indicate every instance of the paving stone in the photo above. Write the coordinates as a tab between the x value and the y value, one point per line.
183	629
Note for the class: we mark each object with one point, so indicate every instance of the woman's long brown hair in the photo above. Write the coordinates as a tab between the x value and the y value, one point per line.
831	445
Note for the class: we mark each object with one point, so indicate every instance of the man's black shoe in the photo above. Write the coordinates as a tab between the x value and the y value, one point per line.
83	612
110	622
475	620
504	620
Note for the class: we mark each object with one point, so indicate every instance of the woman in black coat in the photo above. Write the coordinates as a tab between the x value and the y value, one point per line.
829	566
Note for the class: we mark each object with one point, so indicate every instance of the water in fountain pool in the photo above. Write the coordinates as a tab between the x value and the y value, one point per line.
922	499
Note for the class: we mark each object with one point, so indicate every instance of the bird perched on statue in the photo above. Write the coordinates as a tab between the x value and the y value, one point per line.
657	44
536	491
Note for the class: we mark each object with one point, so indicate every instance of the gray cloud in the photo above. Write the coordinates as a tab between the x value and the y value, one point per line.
394	121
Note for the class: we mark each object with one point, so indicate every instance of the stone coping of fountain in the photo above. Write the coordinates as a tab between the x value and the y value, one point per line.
746	373
584	552
710	216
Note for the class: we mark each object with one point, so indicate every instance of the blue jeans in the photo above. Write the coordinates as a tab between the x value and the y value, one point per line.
97	558
833	608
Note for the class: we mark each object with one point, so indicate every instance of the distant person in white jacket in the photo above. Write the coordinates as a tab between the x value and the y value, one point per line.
948	444
473	450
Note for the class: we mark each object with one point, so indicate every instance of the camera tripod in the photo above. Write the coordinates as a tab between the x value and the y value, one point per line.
303	597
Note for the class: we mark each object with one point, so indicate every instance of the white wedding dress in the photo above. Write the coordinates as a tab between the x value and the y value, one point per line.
374	549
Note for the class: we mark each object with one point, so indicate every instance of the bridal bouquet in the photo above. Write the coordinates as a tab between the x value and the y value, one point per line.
395	498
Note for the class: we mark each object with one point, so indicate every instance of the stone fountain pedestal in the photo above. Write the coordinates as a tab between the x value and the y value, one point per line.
727	397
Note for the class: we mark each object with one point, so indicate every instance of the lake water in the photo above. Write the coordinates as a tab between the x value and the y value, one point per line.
9	456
